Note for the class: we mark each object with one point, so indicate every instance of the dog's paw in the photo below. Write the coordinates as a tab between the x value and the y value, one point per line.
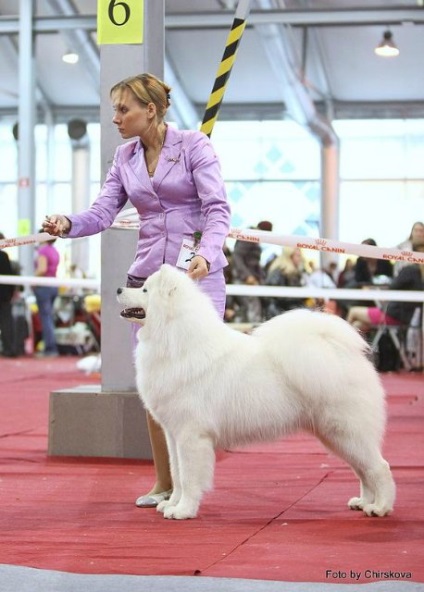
180	512
370	509
162	506
376	510
356	503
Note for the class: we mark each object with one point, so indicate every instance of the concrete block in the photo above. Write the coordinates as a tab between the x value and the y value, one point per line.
84	421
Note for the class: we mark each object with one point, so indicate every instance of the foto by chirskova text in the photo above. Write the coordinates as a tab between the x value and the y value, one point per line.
367	574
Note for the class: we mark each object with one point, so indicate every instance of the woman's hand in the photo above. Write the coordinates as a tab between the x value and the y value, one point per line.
198	269
56	225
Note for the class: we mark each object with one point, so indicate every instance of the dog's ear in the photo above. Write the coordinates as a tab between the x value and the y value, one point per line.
169	277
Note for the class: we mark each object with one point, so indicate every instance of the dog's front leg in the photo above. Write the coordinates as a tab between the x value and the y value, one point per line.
176	484
196	460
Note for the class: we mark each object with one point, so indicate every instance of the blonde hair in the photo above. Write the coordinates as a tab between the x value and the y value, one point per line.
284	262
146	88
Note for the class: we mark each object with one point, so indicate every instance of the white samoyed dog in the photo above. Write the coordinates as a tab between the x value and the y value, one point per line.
210	386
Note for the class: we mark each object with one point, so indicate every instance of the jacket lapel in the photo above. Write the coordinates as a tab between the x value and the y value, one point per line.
138	167
170	156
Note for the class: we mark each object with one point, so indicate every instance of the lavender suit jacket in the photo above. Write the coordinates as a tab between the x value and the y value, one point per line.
186	194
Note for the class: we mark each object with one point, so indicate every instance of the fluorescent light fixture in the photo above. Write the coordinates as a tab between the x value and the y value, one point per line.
387	47
70	57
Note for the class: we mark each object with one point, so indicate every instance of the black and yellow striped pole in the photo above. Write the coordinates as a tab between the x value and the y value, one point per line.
224	70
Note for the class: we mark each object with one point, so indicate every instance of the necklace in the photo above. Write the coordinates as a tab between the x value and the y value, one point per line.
152	168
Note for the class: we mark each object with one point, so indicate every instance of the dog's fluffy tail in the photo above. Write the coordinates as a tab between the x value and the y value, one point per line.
320	353
303	326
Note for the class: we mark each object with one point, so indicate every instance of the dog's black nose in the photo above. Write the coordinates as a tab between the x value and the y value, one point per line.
119	291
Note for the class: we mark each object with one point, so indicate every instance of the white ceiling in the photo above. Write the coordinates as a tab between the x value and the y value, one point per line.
327	56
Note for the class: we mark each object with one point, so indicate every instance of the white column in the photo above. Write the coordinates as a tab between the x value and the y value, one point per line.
109	420
26	141
118	246
80	253
330	183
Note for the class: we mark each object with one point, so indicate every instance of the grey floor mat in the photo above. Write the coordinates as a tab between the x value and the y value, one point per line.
26	579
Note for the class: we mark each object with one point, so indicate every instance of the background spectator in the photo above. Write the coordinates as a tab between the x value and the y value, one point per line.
288	269
411	277
321	278
367	268
46	264
367	272
233	305
247	269
6	318
416	236
347	275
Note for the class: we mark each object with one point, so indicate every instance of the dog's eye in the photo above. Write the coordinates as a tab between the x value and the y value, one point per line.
144	290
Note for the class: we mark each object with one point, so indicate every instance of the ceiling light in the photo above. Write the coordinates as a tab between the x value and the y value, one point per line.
387	48
70	57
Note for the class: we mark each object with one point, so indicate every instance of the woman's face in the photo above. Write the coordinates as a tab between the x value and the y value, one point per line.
297	258
417	234
131	117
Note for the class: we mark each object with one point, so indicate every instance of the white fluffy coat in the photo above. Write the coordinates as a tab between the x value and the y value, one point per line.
210	386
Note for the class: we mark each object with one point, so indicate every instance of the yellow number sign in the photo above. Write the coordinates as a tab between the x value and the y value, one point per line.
120	21
24	226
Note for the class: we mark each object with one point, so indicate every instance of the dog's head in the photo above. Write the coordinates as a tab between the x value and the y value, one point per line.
132	299
160	288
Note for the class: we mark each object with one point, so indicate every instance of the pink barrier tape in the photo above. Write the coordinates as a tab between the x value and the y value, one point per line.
127	220
29	239
327	245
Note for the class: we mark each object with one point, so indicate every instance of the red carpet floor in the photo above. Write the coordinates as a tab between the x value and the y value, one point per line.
277	512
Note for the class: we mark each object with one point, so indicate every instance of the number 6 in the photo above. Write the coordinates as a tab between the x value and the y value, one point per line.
112	5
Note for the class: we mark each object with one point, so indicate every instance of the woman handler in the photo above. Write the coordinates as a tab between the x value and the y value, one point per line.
173	179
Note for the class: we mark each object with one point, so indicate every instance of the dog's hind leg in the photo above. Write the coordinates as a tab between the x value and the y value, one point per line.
196	461
377	487
366	495
376	483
